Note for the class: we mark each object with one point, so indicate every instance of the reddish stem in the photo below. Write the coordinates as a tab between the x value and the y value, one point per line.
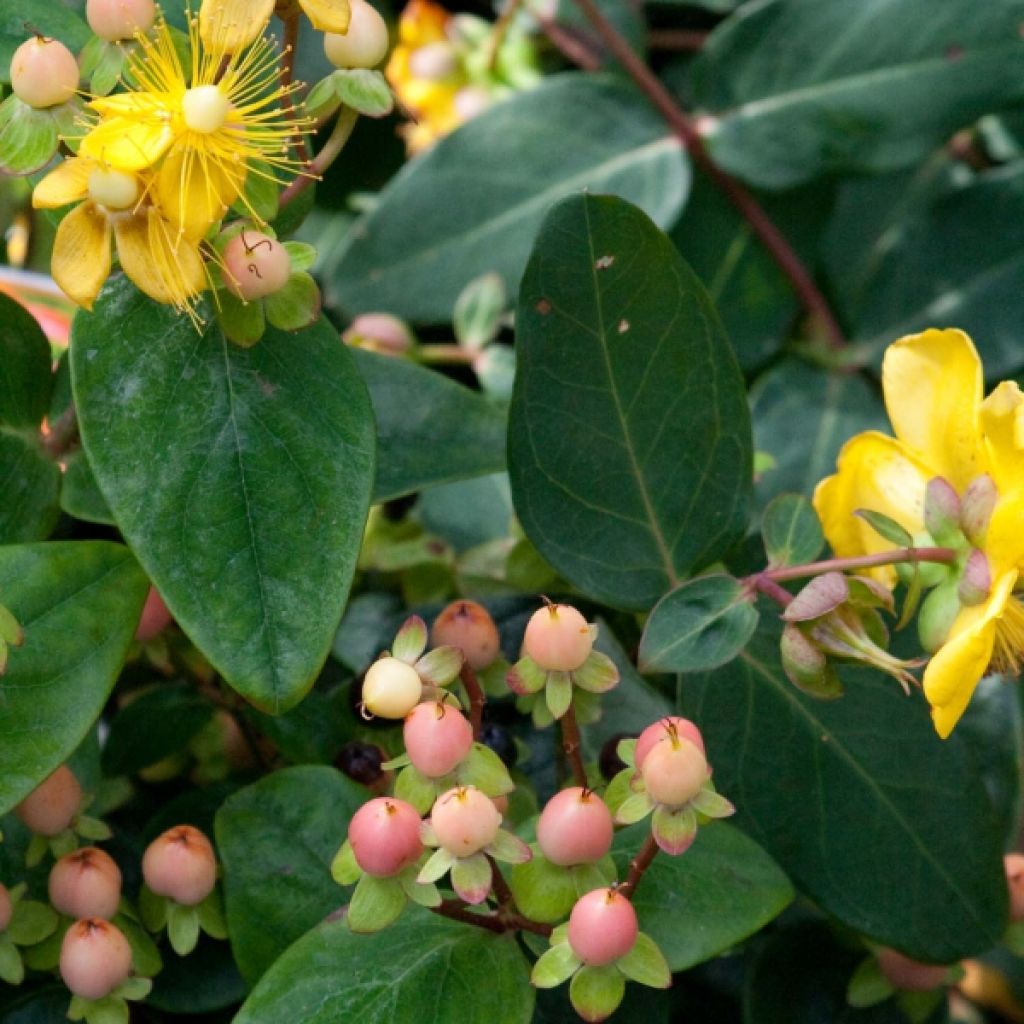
681	40
457	912
797	572
62	434
571	745
476	698
639	864
290	21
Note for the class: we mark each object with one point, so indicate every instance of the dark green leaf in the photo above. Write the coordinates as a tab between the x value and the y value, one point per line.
468	512
429	429
155	725
629	437
201	983
241	477
80	495
473	203
28	137
791	531
26	381
30	485
277	839
48	1005
698	626
725	886
19	20
844	793
422	964
801	88
79	605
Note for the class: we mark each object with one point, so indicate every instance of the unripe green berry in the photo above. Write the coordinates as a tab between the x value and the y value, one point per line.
602	927
51	807
119	19
468	626
558	638
391	688
256	265
86	883
44	73
6	908
180	865
94	958
464	820
674	772
364	45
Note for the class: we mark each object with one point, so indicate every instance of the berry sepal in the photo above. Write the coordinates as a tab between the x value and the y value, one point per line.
182	922
596	675
481	768
29	136
113	1008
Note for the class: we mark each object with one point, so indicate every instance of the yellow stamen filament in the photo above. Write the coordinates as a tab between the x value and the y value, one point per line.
1008	651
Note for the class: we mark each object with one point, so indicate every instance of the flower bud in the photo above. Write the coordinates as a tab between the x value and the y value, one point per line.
942	511
805	664
468	626
674	772
94	958
113	20
976	508
85	883
437	737
113	189
51	806
938	612
976	580
44	73
364	45
180	865
255	265
380	332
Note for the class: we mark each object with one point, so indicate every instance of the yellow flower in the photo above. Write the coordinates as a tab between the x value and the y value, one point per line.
204	130
113	205
934	389
429	98
231	25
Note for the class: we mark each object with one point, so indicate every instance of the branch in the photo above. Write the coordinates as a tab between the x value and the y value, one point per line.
639	864
290	21
62	434
457	912
571	746
773	240
500	30
944	556
316	167
677	40
476	698
566	42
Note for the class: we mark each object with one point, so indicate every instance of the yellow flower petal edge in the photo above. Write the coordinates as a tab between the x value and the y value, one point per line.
67	183
328	15
228	26
163	264
81	254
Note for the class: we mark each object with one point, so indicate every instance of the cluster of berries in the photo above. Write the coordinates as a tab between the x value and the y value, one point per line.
179	870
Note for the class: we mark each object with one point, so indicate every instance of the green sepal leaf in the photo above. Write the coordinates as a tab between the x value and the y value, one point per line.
543	891
555	966
31	922
38	847
821	595
134	989
322	100
595	992
182	927
12	969
364	90
598	674
105	66
483	768
376	903
558	693
791	531
242	322
712	804
302	254
509	848
422	894
674	830
887	527
146	959
645	964
436	867
211	915
411	640
345	869
152	909
63	843
110	1009
634	808
440	667
868	985
472	877
587	877
92	828
28	137
526	677
296	305
76	1011
415	789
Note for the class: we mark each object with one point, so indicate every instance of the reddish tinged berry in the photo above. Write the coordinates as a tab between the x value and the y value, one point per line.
365	43
908	974
155	617
663	729
51	807
464	820
437	737
94	958
180	865
575	827
1014	863
6	908
391	688
119	19
44	73
674	772
558	638
256	265
468	626
602	927
385	836
86	883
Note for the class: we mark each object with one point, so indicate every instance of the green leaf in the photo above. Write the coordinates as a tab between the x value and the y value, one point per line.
620	352
555	966
28	137
868	985
596	992
79	604
890	81
12	970
31	922
702	624
456	212
26	379
725	885
331	975
857	783
241	477
483	768
478	311
429	429
376	903
543	891
791	531
31	483
202	983
155	725
296	305
182	928
80	494
886	527
645	964
146	959
45	17
277	839
363	90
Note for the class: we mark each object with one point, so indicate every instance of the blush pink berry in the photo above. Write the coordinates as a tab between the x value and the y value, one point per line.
575	827
385	836
602	927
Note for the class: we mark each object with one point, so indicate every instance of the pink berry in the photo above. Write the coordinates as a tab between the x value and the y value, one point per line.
575	827
365	43
119	19
558	638
6	908
674	772
255	265
51	807
44	73
391	688
94	958
86	883
1014	863
437	737
908	974
180	864
664	728
155	617
468	626
379	332
602	927
385	836
464	820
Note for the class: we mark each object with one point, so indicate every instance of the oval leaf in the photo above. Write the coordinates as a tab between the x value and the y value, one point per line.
629	436
241	478
791	531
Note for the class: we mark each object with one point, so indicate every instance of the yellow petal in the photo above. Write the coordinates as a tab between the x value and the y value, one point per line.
933	386
166	266
194	192
67	183
128	143
130	104
328	15
878	473
1002	423
422	22
228	26
81	254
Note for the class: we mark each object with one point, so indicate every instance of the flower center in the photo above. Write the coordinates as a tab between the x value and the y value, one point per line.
205	109
113	189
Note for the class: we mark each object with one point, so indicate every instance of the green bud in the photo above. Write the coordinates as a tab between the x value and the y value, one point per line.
938	612
942	512
806	666
976	580
976	508
930	574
